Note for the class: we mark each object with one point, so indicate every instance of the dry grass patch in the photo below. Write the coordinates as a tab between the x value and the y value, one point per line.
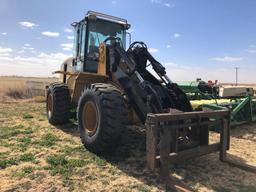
17	87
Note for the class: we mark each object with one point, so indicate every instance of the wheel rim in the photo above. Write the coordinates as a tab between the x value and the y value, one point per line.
49	105
90	118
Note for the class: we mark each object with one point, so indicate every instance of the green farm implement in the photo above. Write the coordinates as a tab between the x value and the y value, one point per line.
197	90
242	110
210	96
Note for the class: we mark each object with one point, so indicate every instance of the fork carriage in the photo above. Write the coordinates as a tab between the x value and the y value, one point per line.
163	146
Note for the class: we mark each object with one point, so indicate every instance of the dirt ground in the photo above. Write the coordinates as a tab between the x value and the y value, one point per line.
35	156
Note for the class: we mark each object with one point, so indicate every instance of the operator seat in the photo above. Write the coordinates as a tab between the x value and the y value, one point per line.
92	56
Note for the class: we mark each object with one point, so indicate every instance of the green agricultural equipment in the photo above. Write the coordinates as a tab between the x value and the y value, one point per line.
209	96
197	90
242	110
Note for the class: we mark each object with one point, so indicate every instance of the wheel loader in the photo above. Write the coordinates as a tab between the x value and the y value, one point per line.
108	85
111	86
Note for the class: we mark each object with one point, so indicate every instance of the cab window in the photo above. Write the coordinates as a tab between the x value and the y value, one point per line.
99	31
79	46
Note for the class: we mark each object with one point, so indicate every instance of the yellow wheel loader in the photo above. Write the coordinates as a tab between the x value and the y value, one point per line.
110	86
107	84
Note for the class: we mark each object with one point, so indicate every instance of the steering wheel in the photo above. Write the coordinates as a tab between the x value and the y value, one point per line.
111	38
137	44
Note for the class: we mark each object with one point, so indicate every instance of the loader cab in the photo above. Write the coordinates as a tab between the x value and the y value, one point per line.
88	36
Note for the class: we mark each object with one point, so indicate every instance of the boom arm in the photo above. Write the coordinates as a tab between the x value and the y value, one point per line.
144	95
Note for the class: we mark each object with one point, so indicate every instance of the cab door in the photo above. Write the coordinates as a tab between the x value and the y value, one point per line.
92	47
79	46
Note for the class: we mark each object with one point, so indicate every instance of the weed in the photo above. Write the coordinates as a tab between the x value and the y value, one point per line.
20	126
27	131
5	134
25	140
71	150
76	163
59	164
99	161
27	116
4	154
24	171
28	170
7	162
48	140
56	160
27	157
81	151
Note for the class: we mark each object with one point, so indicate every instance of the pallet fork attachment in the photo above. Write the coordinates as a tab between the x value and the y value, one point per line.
162	135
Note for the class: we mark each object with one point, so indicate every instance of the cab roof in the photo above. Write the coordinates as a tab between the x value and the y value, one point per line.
94	15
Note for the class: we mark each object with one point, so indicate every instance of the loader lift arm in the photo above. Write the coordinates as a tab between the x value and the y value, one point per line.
144	91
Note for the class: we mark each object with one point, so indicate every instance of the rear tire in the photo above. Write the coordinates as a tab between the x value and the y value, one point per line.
101	117
58	104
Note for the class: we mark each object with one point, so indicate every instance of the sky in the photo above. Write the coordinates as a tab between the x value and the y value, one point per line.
193	39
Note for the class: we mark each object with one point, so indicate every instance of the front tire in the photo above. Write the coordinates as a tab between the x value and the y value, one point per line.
101	117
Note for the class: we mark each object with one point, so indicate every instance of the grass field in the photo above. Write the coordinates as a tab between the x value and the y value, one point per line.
36	156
